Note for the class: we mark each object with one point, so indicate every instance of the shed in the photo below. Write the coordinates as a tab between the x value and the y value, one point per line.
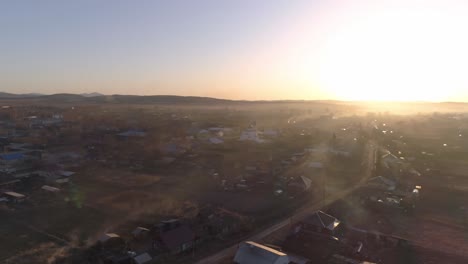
140	231
302	183
66	173
50	188
108	236
14	196
62	181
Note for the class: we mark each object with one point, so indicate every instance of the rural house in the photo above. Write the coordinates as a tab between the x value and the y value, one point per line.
319	222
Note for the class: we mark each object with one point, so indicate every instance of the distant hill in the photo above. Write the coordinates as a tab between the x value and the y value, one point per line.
98	98
161	99
63	98
94	94
11	95
129	99
112	99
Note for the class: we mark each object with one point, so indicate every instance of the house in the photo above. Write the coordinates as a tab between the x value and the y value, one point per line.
317	247
300	184
111	241
253	253
167	225
389	160
14	196
319	222
140	232
107	237
177	240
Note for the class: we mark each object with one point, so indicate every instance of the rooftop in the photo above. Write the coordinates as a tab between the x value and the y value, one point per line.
50	188
322	219
15	195
253	253
108	236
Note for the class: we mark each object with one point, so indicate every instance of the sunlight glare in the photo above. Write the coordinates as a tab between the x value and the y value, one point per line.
397	56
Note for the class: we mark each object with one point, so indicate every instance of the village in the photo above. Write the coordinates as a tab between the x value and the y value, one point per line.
176	184
161	180
390	218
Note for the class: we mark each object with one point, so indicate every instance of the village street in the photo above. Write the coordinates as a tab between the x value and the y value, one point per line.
369	163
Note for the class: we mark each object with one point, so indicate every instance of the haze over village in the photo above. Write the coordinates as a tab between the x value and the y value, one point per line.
169	179
234	132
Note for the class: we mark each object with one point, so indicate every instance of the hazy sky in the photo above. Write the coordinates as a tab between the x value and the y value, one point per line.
241	49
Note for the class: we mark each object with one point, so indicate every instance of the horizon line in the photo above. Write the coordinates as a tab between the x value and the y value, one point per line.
36	94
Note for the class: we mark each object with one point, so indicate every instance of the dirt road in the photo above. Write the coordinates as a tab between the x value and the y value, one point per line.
371	150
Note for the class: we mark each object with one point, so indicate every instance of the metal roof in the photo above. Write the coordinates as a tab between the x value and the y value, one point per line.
11	156
253	253
322	219
15	194
50	188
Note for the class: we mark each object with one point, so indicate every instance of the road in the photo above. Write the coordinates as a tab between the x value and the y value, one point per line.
371	150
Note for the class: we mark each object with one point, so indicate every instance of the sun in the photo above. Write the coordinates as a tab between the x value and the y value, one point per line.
397	56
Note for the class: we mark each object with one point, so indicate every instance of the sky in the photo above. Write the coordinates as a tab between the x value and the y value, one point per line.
238	49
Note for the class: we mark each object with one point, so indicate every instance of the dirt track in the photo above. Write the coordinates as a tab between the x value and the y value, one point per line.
310	207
